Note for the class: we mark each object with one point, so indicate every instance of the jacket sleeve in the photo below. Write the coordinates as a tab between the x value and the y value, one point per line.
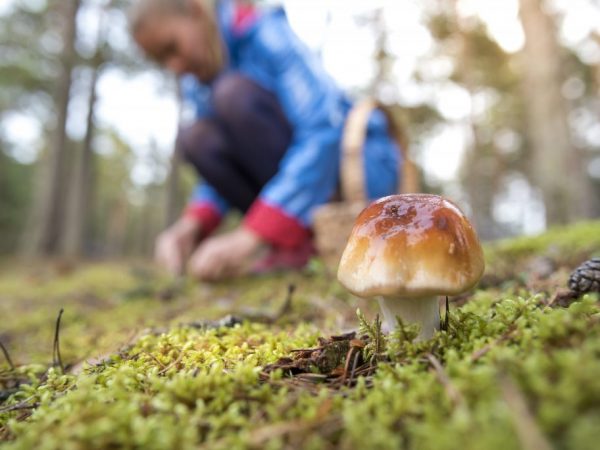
308	172
206	206
195	98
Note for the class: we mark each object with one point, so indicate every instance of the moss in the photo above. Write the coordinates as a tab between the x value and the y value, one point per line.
562	245
509	370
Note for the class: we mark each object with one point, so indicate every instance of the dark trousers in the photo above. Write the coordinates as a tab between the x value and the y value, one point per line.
238	149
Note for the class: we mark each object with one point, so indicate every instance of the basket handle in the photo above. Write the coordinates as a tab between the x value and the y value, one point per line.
352	174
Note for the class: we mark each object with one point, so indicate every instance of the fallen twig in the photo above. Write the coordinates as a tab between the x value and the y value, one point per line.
283	310
173	364
299	427
251	316
77	368
156	360
378	335
445	324
287	304
7	356
354	364
20	406
486	348
528	431
349	355
444	379
56	358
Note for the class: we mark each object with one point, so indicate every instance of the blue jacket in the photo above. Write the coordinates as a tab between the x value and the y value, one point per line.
263	47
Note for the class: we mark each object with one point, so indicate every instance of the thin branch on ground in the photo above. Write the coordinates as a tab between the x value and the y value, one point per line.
20	406
173	364
7	356
56	357
528	431
156	360
486	348
285	308
445	325
354	365
444	379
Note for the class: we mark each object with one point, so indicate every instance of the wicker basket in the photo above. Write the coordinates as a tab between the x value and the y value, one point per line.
333	221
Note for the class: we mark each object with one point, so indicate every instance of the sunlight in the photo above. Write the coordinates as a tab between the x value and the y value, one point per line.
580	18
519	204
23	131
142	108
443	154
502	19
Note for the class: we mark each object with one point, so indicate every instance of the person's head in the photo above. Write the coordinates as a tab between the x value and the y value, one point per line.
181	35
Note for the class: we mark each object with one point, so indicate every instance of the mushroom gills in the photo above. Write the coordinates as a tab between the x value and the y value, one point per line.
424	311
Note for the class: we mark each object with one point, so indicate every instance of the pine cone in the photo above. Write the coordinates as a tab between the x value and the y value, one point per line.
586	278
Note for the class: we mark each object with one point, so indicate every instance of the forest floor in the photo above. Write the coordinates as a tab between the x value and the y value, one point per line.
136	360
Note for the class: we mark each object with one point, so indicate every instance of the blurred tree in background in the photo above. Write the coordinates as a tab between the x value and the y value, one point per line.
557	165
522	121
487	75
529	122
14	200
76	197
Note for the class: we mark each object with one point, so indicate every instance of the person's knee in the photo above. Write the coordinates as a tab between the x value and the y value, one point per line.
233	97
200	141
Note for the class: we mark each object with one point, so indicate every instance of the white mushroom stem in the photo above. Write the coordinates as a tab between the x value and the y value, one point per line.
425	311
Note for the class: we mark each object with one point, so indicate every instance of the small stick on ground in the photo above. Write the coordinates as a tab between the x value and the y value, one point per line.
378	335
528	431
20	406
347	364
7	356
56	358
287	304
173	364
446	323
354	364
512	329
477	354
268	318
443	378
156	360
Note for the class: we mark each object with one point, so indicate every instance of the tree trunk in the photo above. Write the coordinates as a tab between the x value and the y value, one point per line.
116	228
595	204
173	185
47	220
173	194
480	170
556	164
82	184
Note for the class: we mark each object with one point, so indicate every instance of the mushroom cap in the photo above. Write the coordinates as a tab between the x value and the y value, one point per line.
411	245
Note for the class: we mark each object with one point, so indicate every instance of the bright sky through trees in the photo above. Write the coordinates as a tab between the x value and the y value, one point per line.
143	110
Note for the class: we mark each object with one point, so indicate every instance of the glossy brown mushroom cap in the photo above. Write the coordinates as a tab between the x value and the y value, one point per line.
411	245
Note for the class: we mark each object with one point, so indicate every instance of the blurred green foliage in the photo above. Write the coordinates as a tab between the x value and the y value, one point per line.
15	194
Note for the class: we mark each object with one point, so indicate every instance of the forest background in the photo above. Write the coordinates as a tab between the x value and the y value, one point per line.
500	100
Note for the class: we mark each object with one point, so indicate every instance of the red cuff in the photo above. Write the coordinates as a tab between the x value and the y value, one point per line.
206	214
275	226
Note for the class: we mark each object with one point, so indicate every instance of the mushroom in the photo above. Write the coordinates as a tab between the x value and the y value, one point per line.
407	249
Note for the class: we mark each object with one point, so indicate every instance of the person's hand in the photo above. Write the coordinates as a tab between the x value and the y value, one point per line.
227	255
176	243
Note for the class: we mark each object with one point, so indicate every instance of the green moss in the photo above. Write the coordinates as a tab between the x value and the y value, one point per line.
510	370
563	245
